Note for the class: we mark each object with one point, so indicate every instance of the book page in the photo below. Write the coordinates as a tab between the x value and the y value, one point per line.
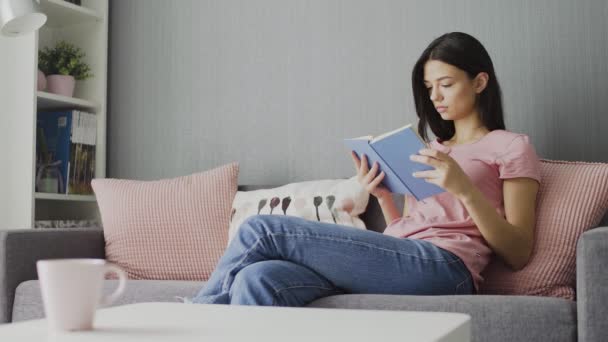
380	137
365	137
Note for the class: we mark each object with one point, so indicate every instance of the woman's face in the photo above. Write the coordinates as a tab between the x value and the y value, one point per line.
450	89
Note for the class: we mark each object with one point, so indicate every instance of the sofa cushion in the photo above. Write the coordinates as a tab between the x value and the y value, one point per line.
494	318
28	300
372	216
172	229
573	198
338	201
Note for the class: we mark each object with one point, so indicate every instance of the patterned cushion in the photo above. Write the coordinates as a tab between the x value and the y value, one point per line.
173	229
573	198
338	201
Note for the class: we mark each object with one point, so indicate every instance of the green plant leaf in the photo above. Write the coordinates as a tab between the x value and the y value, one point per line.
64	59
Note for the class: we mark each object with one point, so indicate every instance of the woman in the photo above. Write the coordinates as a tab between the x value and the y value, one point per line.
440	245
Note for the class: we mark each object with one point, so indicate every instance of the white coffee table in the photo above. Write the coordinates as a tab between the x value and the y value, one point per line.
198	322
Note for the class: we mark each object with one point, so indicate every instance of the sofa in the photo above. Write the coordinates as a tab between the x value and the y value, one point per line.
494	317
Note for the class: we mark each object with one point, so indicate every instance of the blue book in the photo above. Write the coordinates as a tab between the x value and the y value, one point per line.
57	129
392	151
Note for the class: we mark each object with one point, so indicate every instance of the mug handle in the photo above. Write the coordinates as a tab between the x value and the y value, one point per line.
122	282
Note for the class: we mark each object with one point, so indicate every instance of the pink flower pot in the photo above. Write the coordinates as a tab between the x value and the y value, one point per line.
61	84
41	81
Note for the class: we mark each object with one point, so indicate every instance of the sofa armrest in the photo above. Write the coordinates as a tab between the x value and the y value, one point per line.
592	285
21	248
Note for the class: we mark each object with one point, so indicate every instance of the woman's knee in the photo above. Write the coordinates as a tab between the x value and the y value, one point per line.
254	222
255	274
254	284
278	282
261	224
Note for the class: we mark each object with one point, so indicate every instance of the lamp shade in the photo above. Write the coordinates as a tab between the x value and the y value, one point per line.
19	17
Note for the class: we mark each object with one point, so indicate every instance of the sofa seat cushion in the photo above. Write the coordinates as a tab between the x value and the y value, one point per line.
28	300
493	317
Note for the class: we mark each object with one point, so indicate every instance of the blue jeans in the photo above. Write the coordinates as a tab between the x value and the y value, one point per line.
290	261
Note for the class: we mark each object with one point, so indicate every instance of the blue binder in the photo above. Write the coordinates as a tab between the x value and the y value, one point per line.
57	129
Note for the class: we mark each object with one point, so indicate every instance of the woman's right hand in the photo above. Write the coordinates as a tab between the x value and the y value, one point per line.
367	177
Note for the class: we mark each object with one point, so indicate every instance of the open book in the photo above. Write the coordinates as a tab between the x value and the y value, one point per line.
392	151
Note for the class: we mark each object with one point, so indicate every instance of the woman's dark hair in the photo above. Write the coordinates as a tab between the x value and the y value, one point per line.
466	53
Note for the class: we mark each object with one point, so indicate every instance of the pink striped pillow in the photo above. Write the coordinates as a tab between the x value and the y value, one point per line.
167	229
573	198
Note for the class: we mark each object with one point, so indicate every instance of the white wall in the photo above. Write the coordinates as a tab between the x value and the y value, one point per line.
277	84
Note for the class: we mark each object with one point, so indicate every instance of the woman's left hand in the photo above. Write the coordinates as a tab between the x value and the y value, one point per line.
447	173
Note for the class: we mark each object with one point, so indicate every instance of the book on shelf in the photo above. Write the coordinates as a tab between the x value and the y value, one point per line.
392	151
53	131
81	165
65	151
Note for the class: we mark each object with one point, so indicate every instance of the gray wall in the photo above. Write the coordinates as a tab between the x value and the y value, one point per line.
276	85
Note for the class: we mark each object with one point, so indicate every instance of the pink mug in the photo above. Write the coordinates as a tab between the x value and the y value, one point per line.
72	291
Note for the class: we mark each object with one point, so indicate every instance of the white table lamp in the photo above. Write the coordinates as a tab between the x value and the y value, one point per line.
20	17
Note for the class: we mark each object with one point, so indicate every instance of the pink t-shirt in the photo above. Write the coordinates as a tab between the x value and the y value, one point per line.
444	221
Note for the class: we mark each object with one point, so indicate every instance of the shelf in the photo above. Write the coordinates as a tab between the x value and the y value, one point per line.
48	101
61	13
63	197
86	27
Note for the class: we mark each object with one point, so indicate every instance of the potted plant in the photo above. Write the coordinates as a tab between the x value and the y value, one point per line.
63	65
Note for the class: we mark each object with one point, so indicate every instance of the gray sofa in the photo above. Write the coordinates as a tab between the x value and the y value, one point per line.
494	317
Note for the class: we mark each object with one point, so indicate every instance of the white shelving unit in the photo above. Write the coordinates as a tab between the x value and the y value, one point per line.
64	14
49	101
59	197
85	26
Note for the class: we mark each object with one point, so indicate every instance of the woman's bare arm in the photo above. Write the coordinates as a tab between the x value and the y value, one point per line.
389	209
510	238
